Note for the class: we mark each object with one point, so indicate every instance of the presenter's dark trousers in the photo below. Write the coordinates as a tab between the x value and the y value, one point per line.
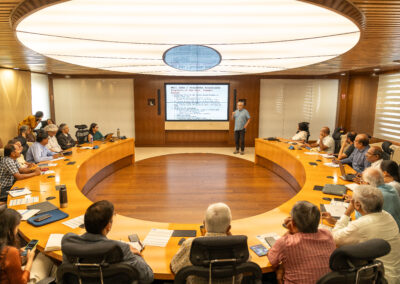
239	139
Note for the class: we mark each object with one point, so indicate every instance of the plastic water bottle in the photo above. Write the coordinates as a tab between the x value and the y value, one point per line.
118	134
91	140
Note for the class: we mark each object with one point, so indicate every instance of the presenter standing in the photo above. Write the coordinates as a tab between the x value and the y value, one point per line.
242	119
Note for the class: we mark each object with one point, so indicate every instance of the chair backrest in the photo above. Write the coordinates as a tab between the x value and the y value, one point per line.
82	133
97	262
219	258
357	263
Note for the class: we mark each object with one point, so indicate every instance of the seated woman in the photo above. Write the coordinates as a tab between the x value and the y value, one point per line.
10	258
38	152
65	139
36	268
390	171
302	133
22	137
94	133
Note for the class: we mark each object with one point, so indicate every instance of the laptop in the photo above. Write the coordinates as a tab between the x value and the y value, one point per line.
108	137
344	176
334	189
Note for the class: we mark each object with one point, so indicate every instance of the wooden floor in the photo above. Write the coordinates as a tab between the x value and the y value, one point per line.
179	187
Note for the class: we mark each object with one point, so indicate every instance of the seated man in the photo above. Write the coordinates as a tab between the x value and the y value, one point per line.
357	159
98	222
10	170
217	223
374	155
52	145
21	159
391	204
304	251
38	152
374	223
350	137
64	138
325	141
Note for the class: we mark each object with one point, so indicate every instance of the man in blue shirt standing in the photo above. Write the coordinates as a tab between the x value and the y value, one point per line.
242	119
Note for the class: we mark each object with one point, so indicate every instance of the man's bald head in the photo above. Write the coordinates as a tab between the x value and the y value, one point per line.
326	130
361	141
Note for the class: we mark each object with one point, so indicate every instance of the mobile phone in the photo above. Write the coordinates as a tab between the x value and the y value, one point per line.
259	250
270	241
284	225
181	241
327	198
41	218
30	246
318	187
134	238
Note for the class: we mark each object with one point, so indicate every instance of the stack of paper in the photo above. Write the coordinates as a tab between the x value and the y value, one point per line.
311	153
262	237
19	192
86	147
75	222
328	156
26	214
54	242
336	208
158	237
47	165
48	172
21	201
332	165
351	186
56	159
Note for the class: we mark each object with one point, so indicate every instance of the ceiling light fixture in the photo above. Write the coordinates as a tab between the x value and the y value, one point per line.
136	36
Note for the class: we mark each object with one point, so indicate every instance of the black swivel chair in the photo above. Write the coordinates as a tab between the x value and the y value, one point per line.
387	151
82	133
337	137
219	258
95	263
357	264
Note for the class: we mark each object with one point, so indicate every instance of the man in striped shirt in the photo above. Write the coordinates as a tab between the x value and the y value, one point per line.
304	251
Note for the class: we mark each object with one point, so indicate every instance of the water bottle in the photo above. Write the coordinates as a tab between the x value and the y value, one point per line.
118	134
91	140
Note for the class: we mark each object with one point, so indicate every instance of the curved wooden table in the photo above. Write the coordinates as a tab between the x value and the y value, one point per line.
93	165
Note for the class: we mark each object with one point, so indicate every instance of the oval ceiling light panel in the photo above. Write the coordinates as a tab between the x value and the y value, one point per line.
250	37
191	57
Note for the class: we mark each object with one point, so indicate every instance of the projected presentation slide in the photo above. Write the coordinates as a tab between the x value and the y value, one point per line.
201	102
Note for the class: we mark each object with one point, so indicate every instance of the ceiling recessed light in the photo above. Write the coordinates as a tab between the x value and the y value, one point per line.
16	68
49	73
377	69
133	35
67	76
342	74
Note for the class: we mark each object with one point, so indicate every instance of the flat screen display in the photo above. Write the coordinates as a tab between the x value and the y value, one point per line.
196	102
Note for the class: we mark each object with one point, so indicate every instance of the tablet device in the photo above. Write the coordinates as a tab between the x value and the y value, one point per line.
259	250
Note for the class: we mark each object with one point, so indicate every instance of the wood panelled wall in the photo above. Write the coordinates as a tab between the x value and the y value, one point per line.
149	122
15	101
357	110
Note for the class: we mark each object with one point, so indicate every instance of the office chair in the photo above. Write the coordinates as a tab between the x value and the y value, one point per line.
220	258
95	263
337	137
357	264
387	151
82	133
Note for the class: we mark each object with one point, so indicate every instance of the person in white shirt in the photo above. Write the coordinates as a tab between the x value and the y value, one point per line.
391	175
302	133
52	145
373	223
325	141
374	155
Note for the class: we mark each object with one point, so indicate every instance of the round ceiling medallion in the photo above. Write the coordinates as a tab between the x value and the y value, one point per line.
192	57
250	37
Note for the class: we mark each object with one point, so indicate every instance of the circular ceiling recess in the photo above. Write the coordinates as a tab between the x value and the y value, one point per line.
192	57
137	36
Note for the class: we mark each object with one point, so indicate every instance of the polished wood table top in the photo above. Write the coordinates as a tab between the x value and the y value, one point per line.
289	163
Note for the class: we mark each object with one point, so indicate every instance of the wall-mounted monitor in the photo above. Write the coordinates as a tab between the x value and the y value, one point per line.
196	102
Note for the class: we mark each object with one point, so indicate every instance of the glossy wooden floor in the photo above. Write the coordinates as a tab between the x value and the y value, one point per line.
179	187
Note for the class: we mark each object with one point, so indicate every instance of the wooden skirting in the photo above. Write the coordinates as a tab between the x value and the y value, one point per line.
278	170
105	172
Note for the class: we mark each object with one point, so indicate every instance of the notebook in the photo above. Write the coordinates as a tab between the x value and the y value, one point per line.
54	242
334	189
43	207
